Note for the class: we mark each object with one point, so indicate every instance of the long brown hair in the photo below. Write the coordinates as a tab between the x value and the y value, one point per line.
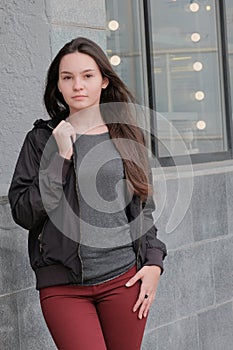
115	108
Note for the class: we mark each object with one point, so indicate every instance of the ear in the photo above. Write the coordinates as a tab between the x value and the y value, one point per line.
105	83
58	87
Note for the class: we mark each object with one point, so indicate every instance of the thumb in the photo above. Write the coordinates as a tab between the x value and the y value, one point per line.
73	138
133	280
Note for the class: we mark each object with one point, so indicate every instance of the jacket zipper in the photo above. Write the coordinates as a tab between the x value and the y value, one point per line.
77	193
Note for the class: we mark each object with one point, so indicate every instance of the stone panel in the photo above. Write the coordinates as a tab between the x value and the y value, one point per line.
34	334
15	271
186	286
229	193
223	269
170	194
27	7
150	341
61	35
209	207
6	220
215	328
180	335
163	309
9	333
25	53
78	12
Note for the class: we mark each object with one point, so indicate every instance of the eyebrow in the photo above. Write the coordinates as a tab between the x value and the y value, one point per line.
84	71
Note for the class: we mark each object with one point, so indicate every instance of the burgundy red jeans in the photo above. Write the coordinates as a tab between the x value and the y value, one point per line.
96	317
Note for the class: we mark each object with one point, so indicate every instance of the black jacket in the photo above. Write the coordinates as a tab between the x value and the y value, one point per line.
44	200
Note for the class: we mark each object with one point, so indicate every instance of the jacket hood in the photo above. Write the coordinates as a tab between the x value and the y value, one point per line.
50	123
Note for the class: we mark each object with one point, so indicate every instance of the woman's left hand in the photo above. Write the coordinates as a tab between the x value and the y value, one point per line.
149	276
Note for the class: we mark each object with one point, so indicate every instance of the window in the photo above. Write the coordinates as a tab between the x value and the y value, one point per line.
125	45
171	55
187	74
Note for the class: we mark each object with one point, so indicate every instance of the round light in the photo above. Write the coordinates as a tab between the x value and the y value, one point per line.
197	66
208	8
201	125
113	25
194	7
199	95
195	37
115	60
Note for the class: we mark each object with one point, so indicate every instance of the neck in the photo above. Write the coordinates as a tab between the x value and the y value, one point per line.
87	120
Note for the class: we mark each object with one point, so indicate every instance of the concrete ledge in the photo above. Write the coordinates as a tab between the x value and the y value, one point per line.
193	170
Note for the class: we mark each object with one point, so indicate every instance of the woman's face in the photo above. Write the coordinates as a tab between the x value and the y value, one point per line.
80	81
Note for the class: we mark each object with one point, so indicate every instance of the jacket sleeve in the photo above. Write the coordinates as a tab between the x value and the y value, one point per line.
155	249
28	208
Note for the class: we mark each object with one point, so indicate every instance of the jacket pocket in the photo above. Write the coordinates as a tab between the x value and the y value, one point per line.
57	248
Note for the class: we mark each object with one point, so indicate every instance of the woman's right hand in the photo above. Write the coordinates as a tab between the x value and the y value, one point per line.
64	133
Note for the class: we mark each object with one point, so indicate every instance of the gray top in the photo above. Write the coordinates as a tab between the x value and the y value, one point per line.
106	248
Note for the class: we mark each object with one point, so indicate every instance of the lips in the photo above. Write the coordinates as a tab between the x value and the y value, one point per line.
79	96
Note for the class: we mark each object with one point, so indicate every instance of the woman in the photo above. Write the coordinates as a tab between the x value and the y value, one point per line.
93	249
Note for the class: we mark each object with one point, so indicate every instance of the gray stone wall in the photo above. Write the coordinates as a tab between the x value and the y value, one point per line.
193	308
25	55
21	321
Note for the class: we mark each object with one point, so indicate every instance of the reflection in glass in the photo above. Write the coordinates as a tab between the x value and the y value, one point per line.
197	66
195	37
125	45
194	7
113	25
115	60
126	51
187	74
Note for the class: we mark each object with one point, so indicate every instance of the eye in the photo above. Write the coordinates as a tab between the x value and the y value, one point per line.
89	75
66	77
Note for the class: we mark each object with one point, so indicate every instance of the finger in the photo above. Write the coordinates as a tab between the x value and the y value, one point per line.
71	131
146	309
148	303
73	137
60	128
143	311
65	129
140	300
133	280
60	124
145	306
57	128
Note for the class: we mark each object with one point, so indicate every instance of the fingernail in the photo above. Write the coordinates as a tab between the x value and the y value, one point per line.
127	284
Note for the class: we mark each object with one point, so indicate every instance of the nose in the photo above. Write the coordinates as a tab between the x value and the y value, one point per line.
77	84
